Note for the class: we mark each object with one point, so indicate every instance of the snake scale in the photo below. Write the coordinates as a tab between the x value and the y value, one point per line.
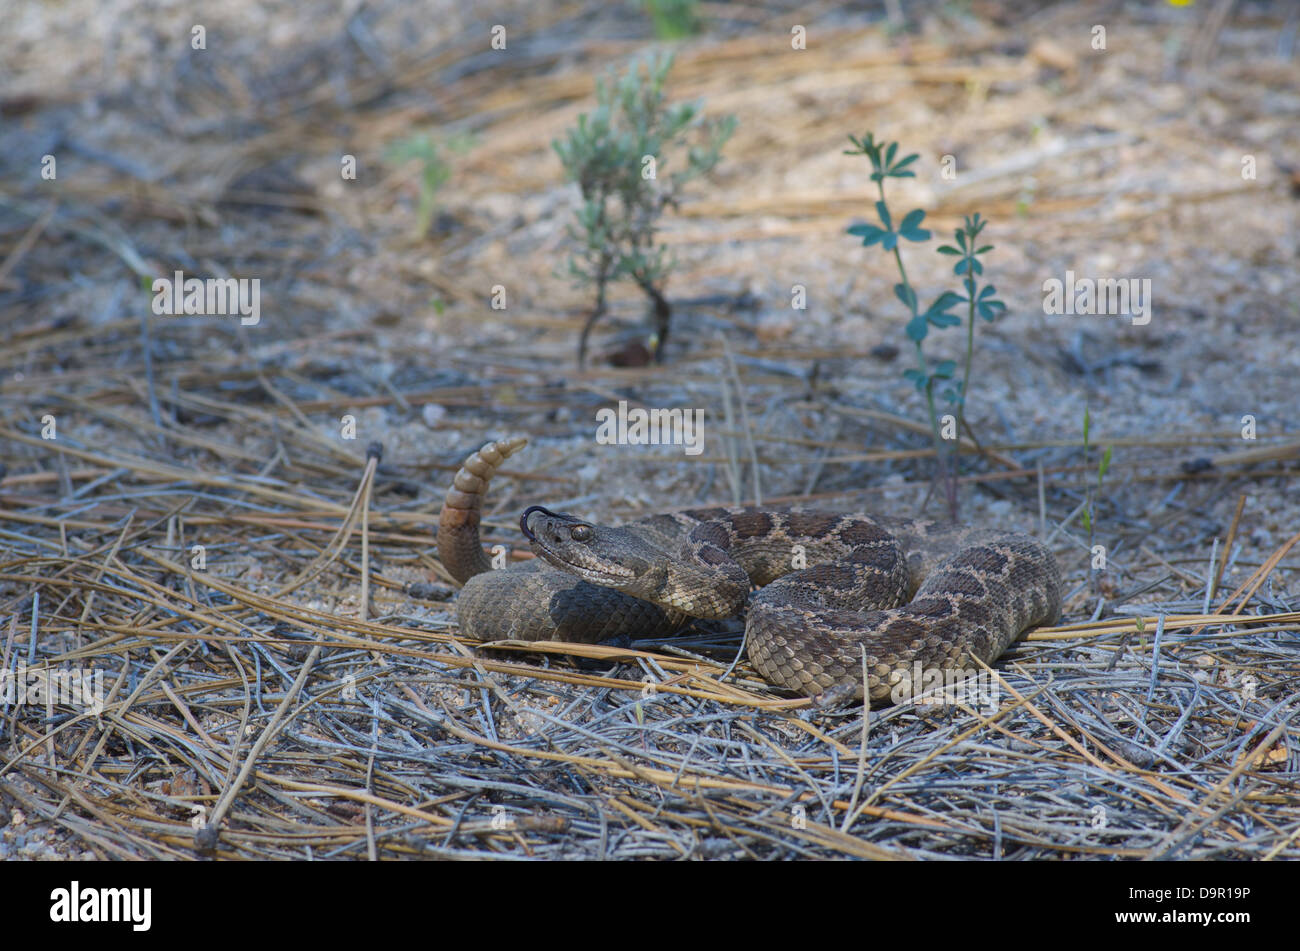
832	588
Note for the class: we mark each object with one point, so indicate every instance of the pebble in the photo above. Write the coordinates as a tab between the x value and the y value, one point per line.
433	413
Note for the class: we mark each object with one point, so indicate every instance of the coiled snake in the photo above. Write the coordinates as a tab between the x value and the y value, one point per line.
909	595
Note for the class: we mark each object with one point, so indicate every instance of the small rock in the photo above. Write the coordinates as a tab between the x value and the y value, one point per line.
634	353
433	413
1262	538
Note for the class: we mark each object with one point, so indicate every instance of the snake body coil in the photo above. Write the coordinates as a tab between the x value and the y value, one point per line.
834	589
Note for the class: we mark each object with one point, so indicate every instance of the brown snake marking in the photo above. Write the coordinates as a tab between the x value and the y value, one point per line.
972	592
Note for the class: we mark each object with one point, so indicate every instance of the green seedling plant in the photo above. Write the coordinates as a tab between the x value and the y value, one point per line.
886	163
435	171
674	19
617	155
982	301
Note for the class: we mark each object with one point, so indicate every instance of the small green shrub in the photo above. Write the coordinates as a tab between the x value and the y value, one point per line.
885	163
434	170
617	155
674	19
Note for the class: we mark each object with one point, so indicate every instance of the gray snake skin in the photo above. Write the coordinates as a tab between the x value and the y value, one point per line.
834	589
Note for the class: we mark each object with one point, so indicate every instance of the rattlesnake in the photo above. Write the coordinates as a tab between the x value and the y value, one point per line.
809	629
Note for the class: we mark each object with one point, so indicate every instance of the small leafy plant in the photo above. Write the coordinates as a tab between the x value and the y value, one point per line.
982	301
616	155
885	163
674	19
434	171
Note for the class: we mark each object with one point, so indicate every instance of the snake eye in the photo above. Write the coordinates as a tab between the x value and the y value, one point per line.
580	533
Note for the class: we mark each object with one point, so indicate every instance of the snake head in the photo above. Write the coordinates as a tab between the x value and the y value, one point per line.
599	554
